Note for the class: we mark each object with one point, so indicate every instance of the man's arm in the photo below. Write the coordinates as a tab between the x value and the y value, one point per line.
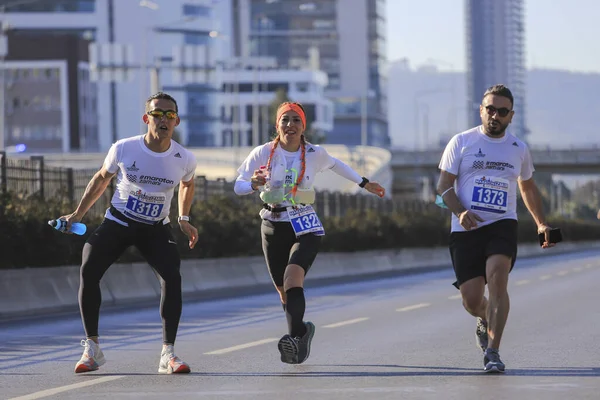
445	188
533	201
184	201
93	191
186	197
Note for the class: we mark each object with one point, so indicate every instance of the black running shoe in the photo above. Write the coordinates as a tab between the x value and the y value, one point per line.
288	347
305	341
492	362
481	334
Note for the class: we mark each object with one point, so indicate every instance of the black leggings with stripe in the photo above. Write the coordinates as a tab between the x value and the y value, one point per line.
106	245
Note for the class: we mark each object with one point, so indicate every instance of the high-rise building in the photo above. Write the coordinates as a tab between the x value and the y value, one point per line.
343	38
153	44
496	54
50	102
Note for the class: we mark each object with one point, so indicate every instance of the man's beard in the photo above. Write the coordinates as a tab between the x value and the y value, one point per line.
495	130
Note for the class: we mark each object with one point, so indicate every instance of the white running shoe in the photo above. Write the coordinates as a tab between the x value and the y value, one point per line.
170	363
92	357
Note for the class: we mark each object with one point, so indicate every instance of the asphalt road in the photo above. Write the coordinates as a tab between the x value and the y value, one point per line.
406	337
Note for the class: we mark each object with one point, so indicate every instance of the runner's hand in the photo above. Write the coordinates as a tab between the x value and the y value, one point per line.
258	179
375	188
70	218
468	219
545	229
190	231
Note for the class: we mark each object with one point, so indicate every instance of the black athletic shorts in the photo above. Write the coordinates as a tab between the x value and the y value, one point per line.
281	248
469	250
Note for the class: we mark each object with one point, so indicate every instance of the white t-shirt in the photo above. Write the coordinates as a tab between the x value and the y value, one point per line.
488	171
145	179
285	168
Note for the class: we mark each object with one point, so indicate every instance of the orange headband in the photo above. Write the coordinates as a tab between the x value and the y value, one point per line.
291	107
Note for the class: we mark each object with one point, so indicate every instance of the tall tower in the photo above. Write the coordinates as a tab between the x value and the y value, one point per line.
496	54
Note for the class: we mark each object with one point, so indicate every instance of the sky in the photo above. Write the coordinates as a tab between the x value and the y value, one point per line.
559	34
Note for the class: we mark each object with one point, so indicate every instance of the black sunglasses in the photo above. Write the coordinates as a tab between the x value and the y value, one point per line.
502	112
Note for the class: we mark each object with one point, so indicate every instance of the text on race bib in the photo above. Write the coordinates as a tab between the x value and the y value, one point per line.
304	220
490	194
145	207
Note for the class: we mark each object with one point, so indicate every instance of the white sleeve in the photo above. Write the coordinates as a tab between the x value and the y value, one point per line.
346	171
242	187
253	162
526	166
342	169
190	167
450	161
111	162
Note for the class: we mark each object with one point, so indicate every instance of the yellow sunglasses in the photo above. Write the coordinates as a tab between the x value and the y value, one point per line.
160	113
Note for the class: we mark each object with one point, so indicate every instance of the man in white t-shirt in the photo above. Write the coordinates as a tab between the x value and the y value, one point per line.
148	168
480	171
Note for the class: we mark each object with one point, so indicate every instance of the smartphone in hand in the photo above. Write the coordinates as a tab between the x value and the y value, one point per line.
555	236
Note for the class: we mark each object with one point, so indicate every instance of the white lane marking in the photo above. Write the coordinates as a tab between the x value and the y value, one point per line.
455	297
348	322
562	273
523	282
545	277
242	346
62	389
413	307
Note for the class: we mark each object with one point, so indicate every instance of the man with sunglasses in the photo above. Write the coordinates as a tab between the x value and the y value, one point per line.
480	171
148	168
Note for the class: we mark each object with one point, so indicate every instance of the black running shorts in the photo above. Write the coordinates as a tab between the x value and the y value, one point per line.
469	250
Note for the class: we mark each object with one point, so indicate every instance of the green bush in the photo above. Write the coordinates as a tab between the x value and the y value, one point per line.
230	226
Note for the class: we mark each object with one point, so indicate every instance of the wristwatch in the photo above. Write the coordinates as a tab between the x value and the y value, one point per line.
364	182
183	218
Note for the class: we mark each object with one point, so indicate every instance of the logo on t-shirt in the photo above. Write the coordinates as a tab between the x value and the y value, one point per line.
515	144
480	154
132	167
177	155
477	165
311	150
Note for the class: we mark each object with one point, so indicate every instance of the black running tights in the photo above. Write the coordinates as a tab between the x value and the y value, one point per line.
105	246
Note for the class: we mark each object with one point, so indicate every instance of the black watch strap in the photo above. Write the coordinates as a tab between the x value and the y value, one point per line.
364	182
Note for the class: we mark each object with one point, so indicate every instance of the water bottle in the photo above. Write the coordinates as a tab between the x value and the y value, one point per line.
264	187
77	228
273	191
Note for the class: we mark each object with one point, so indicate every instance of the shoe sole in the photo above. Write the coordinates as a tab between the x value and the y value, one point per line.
310	328
288	350
183	369
82	368
493	370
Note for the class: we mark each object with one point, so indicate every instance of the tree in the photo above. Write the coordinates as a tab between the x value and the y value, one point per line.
312	135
